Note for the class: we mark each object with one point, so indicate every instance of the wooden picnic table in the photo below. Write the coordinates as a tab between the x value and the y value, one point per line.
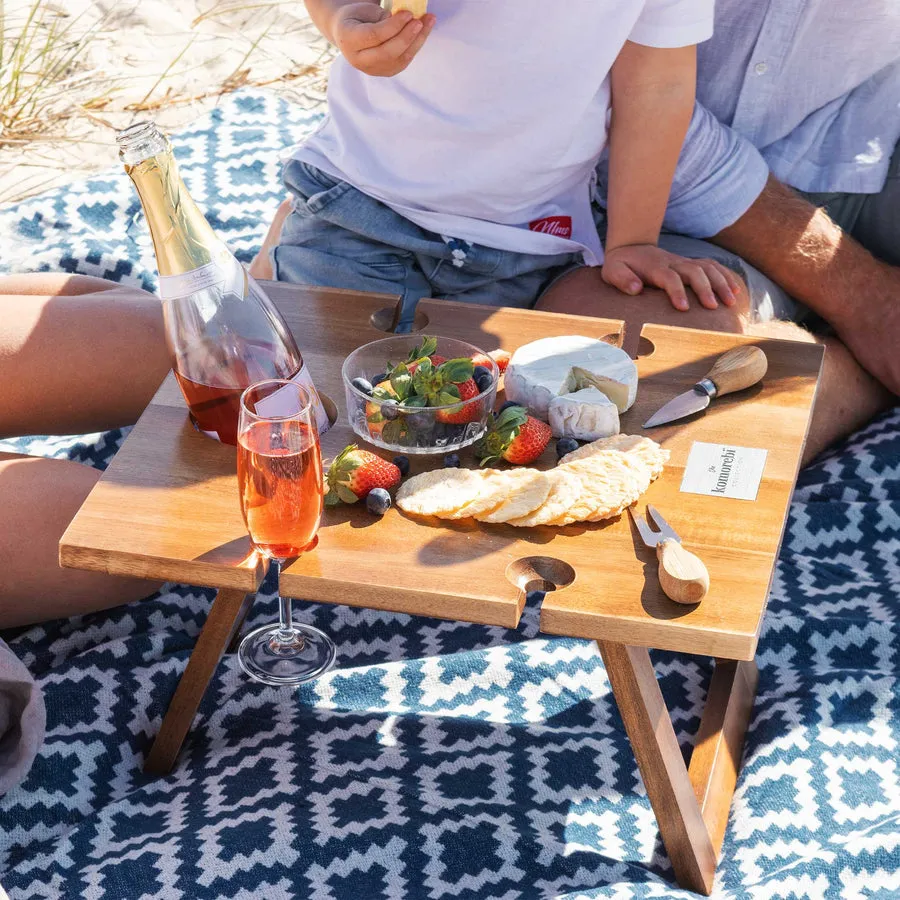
167	508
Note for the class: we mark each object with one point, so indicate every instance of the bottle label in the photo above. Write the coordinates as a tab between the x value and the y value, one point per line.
304	379
283	403
174	287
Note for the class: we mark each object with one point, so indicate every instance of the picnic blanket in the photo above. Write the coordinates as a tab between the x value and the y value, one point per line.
441	759
22	719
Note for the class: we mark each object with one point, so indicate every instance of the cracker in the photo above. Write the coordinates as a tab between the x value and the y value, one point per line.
611	481
565	489
494	490
526	490
440	492
417	7
644	448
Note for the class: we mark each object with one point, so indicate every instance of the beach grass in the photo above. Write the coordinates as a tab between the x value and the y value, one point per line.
73	71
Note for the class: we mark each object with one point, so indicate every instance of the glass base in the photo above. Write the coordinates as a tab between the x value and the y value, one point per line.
264	657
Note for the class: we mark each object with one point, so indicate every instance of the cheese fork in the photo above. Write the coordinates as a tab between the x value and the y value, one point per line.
682	575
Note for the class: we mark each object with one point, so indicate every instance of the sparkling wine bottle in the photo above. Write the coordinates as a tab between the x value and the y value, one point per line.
223	332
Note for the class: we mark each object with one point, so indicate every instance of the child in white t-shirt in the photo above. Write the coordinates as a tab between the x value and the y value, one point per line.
458	156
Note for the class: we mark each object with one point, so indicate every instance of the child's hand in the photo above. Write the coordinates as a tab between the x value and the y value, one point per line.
632	267
377	43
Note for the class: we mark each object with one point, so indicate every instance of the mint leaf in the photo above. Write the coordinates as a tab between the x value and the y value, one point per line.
401	381
381	393
394	432
457	370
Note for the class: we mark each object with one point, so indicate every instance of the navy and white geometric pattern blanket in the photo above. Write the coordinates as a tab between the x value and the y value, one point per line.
442	760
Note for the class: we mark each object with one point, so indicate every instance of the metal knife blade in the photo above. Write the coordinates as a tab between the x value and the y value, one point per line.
686	404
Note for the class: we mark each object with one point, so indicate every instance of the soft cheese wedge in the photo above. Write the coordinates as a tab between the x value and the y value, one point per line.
586	415
557	366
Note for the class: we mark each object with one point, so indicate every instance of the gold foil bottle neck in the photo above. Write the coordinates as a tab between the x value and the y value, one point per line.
182	238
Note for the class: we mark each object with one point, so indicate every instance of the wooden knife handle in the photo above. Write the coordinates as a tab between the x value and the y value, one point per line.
682	575
738	369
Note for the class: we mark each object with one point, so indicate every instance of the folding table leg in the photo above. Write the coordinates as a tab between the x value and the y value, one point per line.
691	804
227	613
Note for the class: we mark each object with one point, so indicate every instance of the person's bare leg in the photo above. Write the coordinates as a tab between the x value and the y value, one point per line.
848	397
39	497
261	267
77	355
585	293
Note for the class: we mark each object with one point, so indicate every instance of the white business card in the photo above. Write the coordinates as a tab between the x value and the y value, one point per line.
724	470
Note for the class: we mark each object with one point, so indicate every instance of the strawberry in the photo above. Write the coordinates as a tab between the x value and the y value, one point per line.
374	419
500	357
423	351
460	415
355	472
516	437
436	360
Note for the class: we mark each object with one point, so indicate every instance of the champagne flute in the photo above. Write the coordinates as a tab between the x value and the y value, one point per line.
282	496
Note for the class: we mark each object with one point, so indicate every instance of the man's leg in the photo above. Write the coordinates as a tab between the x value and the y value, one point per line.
848	397
76	354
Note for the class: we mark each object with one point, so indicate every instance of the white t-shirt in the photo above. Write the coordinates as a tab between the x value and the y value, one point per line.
492	134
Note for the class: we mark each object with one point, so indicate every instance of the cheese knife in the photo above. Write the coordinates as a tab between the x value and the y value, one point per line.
735	370
683	576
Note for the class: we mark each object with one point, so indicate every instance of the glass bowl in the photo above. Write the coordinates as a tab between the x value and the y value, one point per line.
411	429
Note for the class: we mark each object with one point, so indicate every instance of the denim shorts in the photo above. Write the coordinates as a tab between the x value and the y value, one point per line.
337	236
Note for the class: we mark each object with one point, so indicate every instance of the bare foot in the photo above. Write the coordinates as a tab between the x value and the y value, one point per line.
872	327
261	267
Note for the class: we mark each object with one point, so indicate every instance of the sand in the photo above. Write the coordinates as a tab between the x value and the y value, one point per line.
157	54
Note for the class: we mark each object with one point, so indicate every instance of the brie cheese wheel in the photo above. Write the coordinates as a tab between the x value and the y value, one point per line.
555	366
586	415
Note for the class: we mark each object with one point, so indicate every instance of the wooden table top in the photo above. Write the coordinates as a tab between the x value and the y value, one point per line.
167	507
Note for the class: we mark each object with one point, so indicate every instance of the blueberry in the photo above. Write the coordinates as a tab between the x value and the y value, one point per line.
379	378
454	432
402	463
389	409
507	405
481	370
566	445
420	420
451	461
484	382
362	385
378	502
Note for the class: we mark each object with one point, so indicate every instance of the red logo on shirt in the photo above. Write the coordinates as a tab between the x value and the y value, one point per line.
560	226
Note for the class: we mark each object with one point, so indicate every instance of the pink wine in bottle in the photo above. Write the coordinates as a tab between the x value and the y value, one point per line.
222	331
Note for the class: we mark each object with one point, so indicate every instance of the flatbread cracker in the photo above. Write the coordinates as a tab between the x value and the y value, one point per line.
565	489
526	491
611	481
440	492
417	7
494	490
646	449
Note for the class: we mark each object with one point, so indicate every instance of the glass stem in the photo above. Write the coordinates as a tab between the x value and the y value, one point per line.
286	633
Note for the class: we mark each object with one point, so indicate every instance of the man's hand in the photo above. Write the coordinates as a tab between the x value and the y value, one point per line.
377	43
631	268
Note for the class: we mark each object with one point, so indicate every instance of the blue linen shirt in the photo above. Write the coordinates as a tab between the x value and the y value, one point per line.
806	89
